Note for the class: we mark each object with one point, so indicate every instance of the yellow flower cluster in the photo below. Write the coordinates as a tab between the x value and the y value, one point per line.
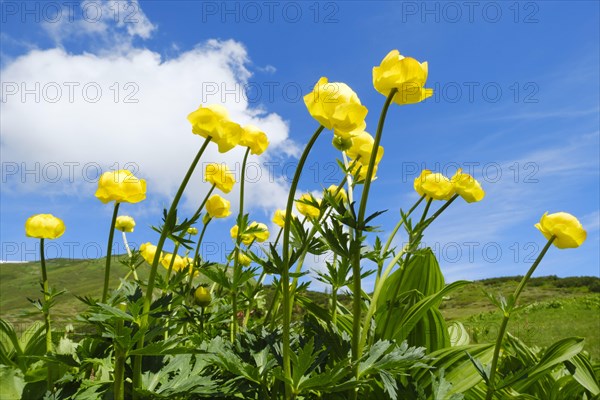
120	186
255	231
125	223
437	187
213	121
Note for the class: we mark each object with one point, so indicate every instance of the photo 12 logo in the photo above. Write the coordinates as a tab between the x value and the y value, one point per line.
68	92
54	12
252	12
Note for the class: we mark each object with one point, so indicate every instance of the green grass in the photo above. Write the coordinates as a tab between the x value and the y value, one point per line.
559	307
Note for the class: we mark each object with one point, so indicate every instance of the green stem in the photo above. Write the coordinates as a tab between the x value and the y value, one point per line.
170	220
111	235
236	263
120	356
170	270
492	384
285	273
356	283
199	210
46	298
196	264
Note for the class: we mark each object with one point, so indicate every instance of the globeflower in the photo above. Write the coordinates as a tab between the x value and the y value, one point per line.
362	147
405	74
306	209
246	239
335	106
567	229
202	296
148	252
120	186
44	226
218	207
125	223
434	185
213	121
259	231
467	187
279	218
243	259
341	196
255	139
179	264
220	176
192	231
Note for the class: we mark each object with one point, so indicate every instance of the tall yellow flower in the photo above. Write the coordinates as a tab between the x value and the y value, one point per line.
341	196
148	252
220	176
362	147
279	218
359	171
179	264
44	226
405	74
308	210
213	120
218	207
568	230
259	231
467	187
120	186
245	238
243	259
335	106
255	139
434	185
125	223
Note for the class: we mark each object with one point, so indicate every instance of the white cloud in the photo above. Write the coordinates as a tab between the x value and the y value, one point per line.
130	106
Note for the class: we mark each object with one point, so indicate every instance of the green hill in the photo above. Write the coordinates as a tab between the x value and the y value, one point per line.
558	307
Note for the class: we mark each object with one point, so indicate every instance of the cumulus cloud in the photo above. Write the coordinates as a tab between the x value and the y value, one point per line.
126	106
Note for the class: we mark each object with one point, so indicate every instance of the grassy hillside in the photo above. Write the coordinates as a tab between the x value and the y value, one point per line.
560	307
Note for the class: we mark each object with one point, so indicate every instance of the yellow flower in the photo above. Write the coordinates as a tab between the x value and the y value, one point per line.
148	252
279	218
255	139
341	195
192	231
202	296
335	106
218	207
246	239
568	230
254	231
243	259
179	264
44	226
220	176
125	223
359	171
213	121
206	121
260	231
467	187
434	185
308	210
120	186
403	73
362	147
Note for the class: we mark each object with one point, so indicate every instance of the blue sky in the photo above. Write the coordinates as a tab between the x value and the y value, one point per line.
100	85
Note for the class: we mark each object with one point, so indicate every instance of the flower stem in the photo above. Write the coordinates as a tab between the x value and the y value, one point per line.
120	356
236	263
169	222
126	245
505	319
46	298
356	278
111	235
285	273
